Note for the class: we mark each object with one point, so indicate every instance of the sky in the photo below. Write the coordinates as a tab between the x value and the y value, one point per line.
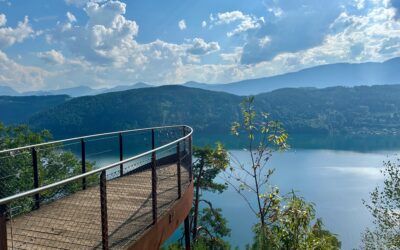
66	43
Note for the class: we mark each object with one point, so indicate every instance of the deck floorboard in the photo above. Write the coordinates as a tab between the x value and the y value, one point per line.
74	222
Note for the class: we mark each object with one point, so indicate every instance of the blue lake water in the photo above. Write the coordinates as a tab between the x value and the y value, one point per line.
335	180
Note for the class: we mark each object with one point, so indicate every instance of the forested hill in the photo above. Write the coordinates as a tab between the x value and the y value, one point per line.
358	110
18	109
206	110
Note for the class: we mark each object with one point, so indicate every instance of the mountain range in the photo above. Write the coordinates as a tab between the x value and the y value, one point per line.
339	74
72	92
338	110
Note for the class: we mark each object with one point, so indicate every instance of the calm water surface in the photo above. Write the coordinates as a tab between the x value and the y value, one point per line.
336	181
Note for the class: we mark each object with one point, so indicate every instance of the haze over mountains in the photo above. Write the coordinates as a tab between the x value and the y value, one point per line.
340	74
72	92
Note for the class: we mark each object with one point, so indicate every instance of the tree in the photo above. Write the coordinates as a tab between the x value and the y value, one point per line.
16	170
208	226
293	227
283	222
384	207
264	137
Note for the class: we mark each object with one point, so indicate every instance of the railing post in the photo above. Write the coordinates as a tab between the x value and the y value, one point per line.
154	186
3	227
153	145
187	233
103	207
184	141
83	159
35	177
178	169
190	158
121	155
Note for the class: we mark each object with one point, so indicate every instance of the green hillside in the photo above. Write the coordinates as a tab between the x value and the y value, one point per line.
17	109
357	110
207	111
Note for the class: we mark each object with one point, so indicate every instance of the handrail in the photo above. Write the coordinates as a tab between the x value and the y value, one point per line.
81	176
90	136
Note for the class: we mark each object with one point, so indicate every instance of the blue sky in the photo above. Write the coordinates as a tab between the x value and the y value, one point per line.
60	44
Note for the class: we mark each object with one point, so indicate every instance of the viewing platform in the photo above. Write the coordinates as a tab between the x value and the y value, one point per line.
136	202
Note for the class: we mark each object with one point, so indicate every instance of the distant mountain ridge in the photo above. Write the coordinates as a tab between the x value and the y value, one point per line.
329	75
72	92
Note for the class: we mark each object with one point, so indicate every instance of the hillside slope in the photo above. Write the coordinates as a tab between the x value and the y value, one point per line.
207	111
17	109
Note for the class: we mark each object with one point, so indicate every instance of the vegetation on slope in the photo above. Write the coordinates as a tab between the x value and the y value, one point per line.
358	110
17	109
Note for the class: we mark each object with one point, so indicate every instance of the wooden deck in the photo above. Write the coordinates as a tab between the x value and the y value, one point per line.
74	222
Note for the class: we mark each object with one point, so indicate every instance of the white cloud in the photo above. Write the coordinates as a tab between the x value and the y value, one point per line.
10	36
264	41
20	77
71	17
52	57
360	4
245	22
200	47
276	11
80	3
204	24
3	20
182	24
105	38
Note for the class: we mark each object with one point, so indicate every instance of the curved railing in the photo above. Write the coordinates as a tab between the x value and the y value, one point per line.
48	194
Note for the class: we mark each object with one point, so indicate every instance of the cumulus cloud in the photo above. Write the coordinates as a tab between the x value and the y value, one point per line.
52	57
10	36
3	19
105	38
245	22
200	47
182	24
20	77
204	24
104	51
292	26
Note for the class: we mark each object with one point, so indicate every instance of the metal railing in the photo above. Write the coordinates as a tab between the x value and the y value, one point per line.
51	186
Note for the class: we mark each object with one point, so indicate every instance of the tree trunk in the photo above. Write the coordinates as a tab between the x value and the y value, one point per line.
196	204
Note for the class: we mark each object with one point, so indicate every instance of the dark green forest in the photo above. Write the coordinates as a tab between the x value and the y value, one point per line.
364	110
18	109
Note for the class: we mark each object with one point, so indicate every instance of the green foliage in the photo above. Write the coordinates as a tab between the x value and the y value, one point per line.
209	163
18	109
384	207
292	227
16	169
358	110
264	137
208	225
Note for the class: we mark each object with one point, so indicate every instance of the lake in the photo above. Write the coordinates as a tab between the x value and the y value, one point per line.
335	180
334	173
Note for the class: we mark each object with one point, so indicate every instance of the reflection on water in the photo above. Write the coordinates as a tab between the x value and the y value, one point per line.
313	141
